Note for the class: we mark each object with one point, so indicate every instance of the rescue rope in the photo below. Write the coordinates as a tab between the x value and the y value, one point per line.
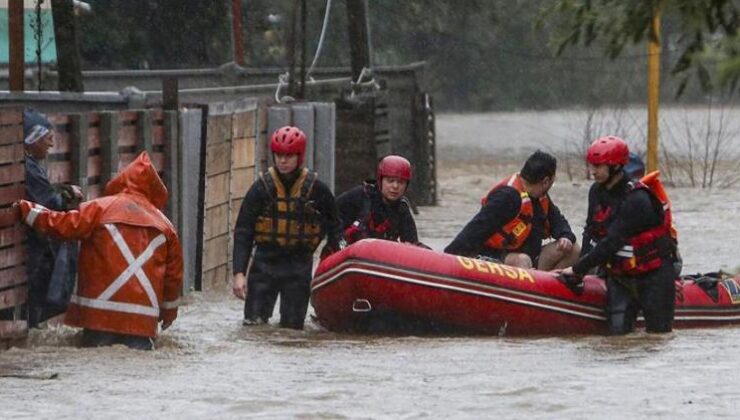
282	81
359	85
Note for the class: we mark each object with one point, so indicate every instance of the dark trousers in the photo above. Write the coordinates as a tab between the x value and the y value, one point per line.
289	278
94	338
39	269
654	293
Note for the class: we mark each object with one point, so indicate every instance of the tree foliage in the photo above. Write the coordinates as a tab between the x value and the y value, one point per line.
705	32
155	34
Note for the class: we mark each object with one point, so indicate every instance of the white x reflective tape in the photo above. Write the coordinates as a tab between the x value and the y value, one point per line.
134	268
34	213
110	305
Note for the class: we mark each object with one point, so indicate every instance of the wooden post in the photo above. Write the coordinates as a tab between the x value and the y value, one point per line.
17	47
144	121
236	28
170	93
68	54
109	125
304	16
359	36
173	171
292	39
78	142
653	91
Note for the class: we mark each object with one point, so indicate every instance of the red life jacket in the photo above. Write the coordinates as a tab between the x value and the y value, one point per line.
647	250
515	232
600	221
368	223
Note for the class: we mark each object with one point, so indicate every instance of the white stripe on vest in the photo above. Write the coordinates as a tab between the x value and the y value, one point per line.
133	270
626	251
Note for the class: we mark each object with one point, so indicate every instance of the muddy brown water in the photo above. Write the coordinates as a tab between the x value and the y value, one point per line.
208	366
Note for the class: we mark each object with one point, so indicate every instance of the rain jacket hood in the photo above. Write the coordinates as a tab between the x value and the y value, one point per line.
140	178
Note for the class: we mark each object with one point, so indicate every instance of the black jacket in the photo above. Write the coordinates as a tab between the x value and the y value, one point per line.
502	205
363	201
634	211
255	201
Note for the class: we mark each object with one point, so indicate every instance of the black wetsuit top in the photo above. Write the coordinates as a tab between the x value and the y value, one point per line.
254	202
351	205
634	211
502	205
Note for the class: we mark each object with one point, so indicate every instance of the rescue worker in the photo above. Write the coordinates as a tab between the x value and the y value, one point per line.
516	216
379	209
284	216
629	222
130	258
51	266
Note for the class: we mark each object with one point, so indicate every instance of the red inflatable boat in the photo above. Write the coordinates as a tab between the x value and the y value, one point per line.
377	285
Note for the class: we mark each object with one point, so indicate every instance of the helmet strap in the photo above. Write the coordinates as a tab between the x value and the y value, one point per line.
614	170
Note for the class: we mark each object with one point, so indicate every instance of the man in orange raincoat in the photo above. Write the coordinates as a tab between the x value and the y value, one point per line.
130	261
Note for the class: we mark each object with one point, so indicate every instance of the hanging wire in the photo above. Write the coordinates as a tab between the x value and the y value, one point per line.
284	79
321	39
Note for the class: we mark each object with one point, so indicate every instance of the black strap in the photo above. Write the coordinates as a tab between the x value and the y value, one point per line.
269	184
302	204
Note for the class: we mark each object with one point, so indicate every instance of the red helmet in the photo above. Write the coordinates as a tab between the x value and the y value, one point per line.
289	140
393	165
609	150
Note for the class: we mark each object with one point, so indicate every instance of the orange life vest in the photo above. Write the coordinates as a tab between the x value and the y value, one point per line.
290	219
515	232
647	250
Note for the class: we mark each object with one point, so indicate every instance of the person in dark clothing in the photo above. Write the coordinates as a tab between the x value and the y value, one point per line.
379	209
52	265
284	216
629	225
516	216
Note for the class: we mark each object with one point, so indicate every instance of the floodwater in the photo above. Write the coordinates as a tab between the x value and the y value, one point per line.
207	365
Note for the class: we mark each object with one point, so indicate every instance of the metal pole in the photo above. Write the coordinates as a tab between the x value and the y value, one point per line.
17	54
653	91
236	27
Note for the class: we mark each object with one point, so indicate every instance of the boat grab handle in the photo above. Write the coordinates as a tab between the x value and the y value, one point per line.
361	305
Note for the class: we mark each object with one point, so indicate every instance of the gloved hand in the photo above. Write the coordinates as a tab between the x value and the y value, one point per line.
354	233
328	249
572	280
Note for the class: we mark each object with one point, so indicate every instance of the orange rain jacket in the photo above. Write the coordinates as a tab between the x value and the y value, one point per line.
130	261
